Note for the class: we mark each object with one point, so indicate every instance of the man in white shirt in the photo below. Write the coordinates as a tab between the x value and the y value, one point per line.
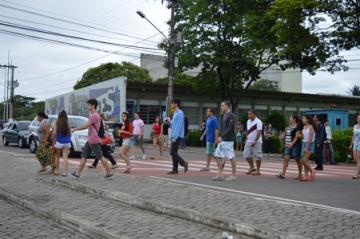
328	150
254	141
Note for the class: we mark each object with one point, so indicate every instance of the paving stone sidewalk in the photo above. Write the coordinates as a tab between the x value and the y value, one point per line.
116	219
20	223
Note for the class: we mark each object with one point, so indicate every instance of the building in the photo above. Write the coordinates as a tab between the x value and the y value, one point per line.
288	81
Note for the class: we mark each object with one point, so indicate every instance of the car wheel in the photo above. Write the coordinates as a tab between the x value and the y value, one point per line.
5	142
21	143
32	145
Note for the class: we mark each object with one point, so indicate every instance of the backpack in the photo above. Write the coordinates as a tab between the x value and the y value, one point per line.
186	126
101	131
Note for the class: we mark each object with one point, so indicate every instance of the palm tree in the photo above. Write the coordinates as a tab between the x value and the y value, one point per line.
354	91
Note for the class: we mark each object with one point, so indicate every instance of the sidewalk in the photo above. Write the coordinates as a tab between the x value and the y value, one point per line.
216	210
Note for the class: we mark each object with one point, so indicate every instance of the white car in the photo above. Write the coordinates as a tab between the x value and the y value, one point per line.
78	138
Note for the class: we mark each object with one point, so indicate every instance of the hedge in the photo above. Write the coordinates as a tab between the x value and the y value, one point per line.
341	139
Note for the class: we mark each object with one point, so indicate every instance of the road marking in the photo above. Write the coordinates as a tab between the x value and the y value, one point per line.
264	197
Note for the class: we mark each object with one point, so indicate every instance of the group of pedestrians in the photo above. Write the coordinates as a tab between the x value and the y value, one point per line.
303	139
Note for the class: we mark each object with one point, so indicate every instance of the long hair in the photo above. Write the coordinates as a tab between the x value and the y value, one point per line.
297	120
62	123
127	121
310	121
158	117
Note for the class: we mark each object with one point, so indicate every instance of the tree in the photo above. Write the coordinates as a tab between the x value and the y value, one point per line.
354	91
107	71
235	41
25	107
277	120
345	28
265	85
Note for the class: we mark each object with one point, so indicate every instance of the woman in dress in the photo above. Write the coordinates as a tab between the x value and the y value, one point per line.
355	146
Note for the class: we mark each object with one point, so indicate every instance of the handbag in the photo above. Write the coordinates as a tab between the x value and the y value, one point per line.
107	139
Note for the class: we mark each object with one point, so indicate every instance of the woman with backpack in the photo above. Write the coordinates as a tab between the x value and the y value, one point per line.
62	138
126	133
106	140
157	136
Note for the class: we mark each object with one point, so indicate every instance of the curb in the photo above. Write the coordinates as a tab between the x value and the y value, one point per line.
234	226
66	221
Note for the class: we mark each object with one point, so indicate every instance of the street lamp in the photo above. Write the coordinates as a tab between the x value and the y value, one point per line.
170	54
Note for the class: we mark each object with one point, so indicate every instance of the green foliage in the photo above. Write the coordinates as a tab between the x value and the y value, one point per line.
277	119
107	71
193	138
265	85
25	108
341	141
354	91
277	145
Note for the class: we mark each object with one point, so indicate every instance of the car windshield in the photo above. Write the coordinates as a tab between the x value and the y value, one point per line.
23	125
77	122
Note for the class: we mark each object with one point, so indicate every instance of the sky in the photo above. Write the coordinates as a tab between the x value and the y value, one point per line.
47	69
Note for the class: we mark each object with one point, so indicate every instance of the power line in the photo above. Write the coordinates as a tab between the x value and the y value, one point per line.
23	27
68	21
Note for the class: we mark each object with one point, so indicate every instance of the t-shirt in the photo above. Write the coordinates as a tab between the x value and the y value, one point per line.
252	127
228	127
138	126
93	136
41	132
290	134
129	129
211	127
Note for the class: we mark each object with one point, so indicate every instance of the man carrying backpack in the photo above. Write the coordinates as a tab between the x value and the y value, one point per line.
96	130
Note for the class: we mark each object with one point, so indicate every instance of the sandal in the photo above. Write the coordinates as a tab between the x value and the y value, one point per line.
204	170
280	176
299	177
91	166
312	177
42	170
256	173
127	170
250	171
356	177
304	179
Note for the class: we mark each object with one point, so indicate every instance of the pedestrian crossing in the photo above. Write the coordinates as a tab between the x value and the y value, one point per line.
268	168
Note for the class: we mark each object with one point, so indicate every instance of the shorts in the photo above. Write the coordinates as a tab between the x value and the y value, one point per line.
138	140
356	147
294	152
239	139
62	146
128	142
309	146
253	152
225	150
210	148
94	148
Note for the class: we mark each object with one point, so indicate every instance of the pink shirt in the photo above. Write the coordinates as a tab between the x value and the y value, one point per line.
138	125
93	137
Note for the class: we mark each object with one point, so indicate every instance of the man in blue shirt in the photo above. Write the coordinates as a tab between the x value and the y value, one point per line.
211	133
177	135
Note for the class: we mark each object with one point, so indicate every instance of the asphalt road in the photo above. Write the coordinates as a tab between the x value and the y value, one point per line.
332	188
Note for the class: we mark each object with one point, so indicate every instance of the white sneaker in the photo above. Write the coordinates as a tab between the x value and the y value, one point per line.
231	178
144	157
218	178
132	157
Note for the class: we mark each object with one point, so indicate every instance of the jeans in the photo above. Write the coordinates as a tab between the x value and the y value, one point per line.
328	146
319	155
175	156
268	145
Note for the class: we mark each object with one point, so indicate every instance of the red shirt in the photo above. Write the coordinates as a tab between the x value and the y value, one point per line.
156	128
129	129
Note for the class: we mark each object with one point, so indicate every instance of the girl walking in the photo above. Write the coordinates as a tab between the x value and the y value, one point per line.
355	146
62	135
126	133
308	147
157	137
293	136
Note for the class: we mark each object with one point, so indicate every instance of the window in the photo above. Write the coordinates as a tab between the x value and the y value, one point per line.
148	113
193	115
338	121
24	125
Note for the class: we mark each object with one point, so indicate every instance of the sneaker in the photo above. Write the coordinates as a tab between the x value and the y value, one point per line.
172	172
218	178
144	157
108	175
73	174
231	178
256	173
250	171
115	166
132	157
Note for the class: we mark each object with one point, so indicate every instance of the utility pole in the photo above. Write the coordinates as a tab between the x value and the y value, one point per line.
171	56
12	85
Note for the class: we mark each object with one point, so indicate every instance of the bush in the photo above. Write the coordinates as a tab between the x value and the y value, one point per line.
277	145
341	141
193	138
277	119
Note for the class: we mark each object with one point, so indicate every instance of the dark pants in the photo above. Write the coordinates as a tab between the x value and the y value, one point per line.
106	154
319	155
268	145
175	156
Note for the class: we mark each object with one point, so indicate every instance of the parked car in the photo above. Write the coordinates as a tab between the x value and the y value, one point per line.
16	132
78	138
114	130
